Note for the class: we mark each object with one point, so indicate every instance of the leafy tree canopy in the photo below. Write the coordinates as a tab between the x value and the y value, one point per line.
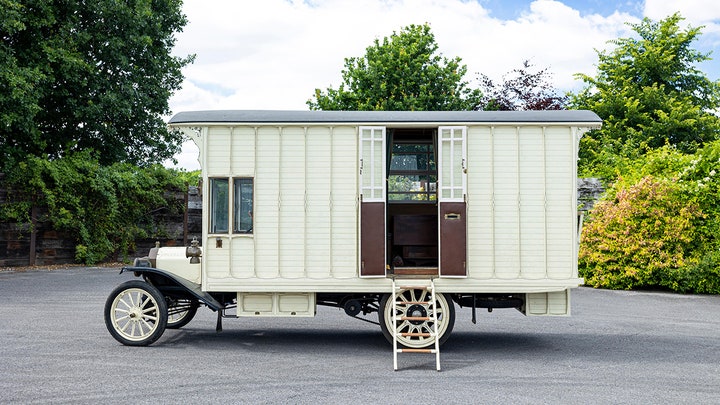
521	89
402	72
88	75
649	93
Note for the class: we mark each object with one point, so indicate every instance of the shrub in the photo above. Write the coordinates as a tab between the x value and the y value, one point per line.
643	233
659	225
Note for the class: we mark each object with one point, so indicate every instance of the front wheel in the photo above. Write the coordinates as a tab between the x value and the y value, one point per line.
136	313
410	305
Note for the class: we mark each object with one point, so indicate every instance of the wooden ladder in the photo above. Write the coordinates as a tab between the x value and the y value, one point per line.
432	317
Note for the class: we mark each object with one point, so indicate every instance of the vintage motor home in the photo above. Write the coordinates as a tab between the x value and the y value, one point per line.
406	214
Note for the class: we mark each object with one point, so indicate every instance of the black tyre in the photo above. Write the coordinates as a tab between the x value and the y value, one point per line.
136	313
445	311
180	311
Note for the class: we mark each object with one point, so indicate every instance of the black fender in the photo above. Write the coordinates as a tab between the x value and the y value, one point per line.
169	284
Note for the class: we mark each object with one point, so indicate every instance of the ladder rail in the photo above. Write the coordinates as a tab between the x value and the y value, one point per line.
394	324
435	326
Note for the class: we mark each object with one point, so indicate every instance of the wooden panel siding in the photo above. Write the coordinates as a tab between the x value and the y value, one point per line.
219	141
506	194
305	205
561	199
532	203
344	206
518	225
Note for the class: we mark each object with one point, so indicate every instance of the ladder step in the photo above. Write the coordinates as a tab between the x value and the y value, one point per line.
416	351
415	318
416	334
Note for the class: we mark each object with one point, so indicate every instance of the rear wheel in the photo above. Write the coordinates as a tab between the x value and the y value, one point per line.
136	313
409	306
180	311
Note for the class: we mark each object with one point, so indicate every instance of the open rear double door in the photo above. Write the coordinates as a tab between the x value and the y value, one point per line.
448	200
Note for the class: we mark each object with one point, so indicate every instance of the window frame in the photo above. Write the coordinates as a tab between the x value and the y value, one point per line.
226	214
238	182
217	203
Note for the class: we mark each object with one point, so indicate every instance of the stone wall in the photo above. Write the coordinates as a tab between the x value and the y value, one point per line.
589	190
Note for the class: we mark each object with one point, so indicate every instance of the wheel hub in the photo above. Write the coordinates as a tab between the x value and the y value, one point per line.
417	311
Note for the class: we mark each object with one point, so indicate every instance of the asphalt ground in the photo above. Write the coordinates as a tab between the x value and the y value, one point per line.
618	347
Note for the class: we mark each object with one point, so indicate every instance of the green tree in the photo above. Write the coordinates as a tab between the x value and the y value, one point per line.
78	75
521	89
402	72
648	93
18	98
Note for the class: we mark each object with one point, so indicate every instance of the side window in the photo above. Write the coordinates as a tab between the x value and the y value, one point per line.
243	219
219	200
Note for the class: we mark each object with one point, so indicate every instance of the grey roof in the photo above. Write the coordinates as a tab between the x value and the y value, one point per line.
378	117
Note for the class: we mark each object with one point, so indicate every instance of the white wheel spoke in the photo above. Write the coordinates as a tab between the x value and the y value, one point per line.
150	327
122	301
144	303
125	326
122	318
150	317
149	309
132	300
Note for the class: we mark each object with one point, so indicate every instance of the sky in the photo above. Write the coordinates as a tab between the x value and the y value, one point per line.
273	54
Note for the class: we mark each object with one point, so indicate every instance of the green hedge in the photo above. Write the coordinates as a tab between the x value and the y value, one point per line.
658	225
107	208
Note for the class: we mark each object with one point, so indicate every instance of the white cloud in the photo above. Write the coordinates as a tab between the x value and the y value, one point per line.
696	12
272	54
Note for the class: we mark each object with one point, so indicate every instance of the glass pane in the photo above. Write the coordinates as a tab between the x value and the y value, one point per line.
219	205
367	162
404	162
411	147
243	206
457	169
447	165
411	187
377	170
